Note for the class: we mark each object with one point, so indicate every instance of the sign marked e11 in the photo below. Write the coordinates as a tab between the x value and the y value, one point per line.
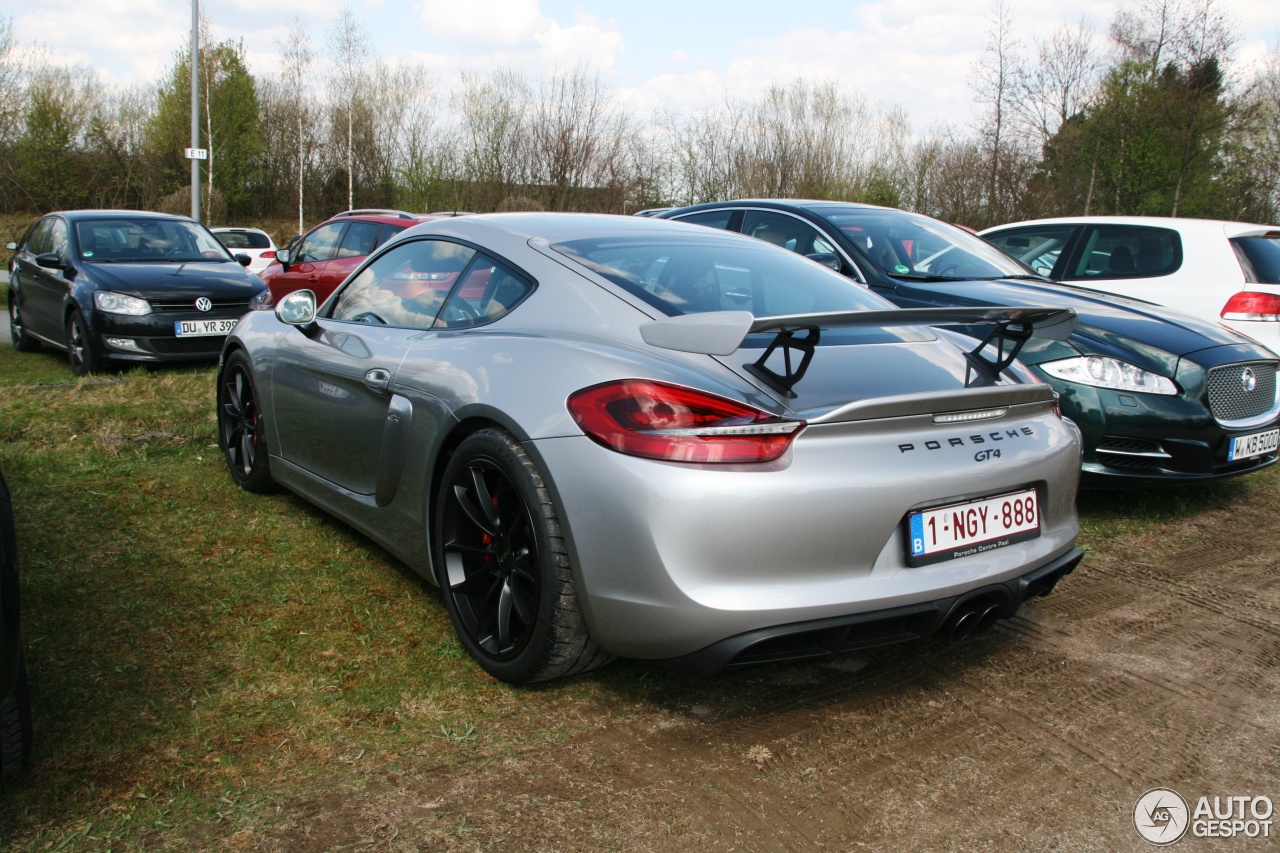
197	153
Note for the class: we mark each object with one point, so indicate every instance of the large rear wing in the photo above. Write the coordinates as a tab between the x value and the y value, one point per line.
723	332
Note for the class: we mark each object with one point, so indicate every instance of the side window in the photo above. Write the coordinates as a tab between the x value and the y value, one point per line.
404	287
320	244
361	239
40	242
710	218
58	239
1128	251
1038	248
785	231
386	233
487	292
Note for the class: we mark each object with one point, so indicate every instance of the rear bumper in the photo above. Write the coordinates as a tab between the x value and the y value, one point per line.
826	638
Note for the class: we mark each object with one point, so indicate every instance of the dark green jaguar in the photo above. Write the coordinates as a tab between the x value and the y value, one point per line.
1159	396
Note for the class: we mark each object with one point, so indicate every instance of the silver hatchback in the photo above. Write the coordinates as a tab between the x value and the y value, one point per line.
608	436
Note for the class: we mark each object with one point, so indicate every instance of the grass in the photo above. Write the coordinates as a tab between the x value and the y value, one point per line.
201	656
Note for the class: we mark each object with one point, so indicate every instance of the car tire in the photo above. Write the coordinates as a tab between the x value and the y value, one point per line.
241	433
15	726
503	565
22	341
80	354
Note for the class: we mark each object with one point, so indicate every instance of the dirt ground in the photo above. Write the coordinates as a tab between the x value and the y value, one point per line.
1154	665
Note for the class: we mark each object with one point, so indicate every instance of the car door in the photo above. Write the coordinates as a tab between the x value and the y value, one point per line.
335	408
44	289
307	263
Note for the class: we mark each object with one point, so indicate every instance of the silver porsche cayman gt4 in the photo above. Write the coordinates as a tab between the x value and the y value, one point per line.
606	435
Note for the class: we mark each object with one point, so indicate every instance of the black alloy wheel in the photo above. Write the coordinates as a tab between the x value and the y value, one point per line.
240	433
80	352
22	342
503	565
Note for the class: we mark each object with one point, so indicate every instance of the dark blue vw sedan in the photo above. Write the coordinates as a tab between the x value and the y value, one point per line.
117	287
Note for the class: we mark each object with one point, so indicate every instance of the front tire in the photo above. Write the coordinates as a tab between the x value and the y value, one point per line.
241	432
15	726
22	341
504	568
80	354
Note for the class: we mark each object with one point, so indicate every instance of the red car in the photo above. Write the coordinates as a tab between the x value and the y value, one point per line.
331	251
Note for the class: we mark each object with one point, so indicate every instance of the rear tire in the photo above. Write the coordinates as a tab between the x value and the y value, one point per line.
15	726
22	341
503	565
241	429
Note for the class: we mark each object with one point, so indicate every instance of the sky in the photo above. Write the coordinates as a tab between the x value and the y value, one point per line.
672	54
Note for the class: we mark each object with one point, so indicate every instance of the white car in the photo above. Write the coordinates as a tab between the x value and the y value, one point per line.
1225	272
254	242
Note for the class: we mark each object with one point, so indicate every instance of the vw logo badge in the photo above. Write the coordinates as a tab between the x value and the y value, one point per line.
1248	379
205	304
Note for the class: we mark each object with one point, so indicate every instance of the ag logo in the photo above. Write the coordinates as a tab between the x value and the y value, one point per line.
1161	816
204	303
1249	379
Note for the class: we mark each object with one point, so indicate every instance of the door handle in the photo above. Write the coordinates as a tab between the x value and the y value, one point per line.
378	379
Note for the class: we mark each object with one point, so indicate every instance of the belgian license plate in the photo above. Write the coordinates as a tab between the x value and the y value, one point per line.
200	328
1248	446
972	527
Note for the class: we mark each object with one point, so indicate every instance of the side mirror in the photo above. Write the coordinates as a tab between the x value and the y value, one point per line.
242	259
282	256
12	247
827	259
298	309
50	260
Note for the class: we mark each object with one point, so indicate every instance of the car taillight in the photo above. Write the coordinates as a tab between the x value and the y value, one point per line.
655	420
267	254
1252	305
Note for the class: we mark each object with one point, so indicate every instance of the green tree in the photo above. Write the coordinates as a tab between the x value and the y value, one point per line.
230	124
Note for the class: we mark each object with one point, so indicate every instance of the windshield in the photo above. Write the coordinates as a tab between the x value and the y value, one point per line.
907	245
145	239
696	275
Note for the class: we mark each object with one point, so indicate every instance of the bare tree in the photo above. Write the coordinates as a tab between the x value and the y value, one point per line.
350	46
1060	84
295	71
994	85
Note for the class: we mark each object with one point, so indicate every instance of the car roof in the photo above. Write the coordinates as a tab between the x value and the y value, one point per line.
557	227
222	228
74	215
1178	223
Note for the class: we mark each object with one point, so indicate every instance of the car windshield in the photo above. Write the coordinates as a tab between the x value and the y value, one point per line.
144	239
1259	257
705	273
906	245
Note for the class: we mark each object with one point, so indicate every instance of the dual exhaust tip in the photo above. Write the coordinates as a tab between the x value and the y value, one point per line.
970	620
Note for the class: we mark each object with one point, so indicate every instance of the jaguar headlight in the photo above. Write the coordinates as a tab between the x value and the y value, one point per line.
1102	372
118	303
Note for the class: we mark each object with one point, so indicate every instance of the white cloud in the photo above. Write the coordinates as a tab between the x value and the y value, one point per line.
496	22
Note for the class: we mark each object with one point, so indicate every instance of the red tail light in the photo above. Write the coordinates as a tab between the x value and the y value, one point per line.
677	424
267	254
1252	305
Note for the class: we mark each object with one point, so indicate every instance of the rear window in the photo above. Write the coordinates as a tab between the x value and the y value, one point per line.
244	239
1259	257
695	276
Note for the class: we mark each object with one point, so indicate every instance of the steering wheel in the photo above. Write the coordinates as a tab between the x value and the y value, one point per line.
946	269
460	309
368	317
